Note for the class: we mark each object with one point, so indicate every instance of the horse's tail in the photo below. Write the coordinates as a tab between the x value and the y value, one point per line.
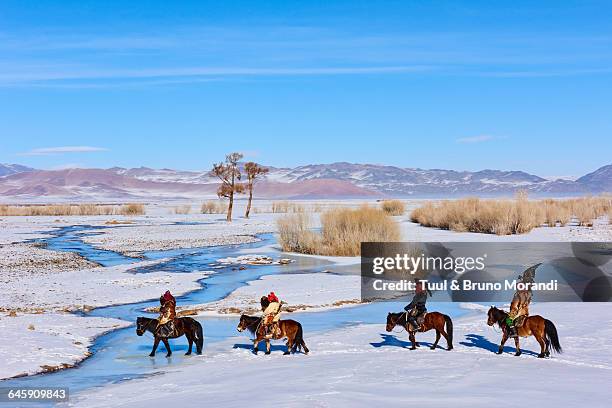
299	340
198	336
449	330
551	337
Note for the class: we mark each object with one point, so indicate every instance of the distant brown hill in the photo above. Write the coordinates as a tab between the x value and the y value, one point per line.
335	180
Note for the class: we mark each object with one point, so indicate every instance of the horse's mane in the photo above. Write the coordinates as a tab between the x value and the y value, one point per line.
503	313
146	320
252	322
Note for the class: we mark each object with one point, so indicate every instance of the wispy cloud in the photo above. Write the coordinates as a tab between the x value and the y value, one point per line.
48	151
99	60
196	74
476	139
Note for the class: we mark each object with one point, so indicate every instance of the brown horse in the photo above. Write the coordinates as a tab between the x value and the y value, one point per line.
191	328
433	320
290	329
542	329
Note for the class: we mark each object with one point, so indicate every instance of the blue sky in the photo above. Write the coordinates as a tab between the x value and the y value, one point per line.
463	85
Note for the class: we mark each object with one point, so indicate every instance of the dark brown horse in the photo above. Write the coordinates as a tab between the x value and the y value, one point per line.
433	320
542	329
290	329
187	326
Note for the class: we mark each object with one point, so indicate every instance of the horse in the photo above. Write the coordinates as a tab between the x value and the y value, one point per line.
542	329
433	320
290	329
187	326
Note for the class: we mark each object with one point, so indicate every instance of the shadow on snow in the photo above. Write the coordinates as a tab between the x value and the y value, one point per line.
478	341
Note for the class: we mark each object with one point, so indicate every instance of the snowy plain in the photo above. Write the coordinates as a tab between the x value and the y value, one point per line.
345	367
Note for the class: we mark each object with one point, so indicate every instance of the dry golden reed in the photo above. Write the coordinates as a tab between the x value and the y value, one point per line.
342	231
393	207
71	209
505	217
182	209
213	207
286	207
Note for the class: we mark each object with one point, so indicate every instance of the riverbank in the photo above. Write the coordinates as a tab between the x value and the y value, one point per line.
302	292
47	342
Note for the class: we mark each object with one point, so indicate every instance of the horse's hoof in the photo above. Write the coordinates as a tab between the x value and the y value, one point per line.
450	348
499	352
412	348
432	348
541	355
267	352
151	355
168	355
188	353
517	354
286	353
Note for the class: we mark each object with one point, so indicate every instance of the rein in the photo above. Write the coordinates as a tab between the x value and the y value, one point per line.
405	314
145	328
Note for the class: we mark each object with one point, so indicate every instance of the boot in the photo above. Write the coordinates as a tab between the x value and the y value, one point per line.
413	323
512	332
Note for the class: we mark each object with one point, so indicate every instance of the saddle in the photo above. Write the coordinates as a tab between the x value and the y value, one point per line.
167	330
519	321
419	320
272	331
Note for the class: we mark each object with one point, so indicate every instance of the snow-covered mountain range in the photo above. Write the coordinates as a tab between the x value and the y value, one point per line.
333	180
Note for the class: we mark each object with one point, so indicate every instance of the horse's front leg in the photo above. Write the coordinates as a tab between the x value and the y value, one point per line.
433	347
255	346
413	340
268	347
190	342
518	347
503	341
167	344
289	346
155	344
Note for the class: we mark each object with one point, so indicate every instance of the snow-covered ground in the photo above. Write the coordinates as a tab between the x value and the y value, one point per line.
94	287
354	366
46	342
363	365
301	292
158	234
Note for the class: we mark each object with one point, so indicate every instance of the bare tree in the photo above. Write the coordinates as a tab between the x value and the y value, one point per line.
229	174
252	170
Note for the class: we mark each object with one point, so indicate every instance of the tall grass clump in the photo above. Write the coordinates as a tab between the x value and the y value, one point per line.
295	234
393	207
213	207
182	209
342	231
505	217
286	207
132	209
61	210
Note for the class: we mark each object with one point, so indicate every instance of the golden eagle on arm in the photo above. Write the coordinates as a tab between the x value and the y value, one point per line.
529	275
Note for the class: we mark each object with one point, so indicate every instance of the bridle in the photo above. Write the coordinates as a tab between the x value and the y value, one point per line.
395	323
497	321
146	326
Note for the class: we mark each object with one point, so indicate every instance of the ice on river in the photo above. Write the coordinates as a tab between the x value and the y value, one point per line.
45	342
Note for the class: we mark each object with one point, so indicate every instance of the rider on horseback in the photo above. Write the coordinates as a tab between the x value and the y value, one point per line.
416	308
167	314
270	305
519	308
